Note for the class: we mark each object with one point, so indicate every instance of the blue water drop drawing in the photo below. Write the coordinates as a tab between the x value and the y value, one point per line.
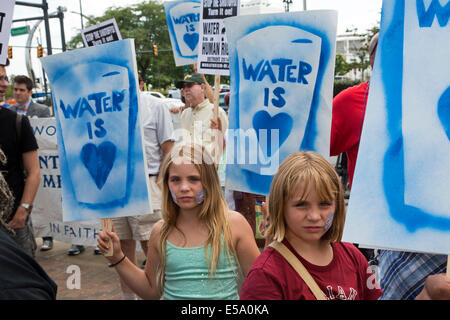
99	161
191	39
443	110
281	121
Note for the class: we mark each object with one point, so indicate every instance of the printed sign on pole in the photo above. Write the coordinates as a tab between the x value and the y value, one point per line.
281	76
6	14
213	47
183	21
95	95
104	32
400	194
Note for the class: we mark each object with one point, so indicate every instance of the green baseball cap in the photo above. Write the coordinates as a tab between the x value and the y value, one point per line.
190	78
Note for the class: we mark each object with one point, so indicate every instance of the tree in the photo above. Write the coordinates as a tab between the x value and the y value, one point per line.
362	61
146	24
341	66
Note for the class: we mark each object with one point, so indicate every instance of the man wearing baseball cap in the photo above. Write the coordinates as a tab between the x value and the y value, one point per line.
198	122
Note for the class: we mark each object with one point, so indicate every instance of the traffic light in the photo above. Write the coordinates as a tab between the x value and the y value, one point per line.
10	55
155	50
39	51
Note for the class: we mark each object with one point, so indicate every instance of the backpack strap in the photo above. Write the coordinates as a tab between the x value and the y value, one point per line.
19	136
300	268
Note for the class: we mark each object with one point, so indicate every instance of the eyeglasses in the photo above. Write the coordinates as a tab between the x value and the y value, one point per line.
4	79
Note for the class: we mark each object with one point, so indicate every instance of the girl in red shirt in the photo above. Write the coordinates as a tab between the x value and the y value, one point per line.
307	214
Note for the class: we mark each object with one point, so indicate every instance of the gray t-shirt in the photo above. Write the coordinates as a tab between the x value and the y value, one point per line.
158	128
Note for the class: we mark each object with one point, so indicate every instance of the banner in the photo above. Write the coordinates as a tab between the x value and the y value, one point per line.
281	76
213	48
183	22
47	209
101	33
6	15
103	172
400	194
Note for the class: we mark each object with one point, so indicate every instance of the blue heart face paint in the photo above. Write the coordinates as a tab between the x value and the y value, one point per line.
329	222
200	196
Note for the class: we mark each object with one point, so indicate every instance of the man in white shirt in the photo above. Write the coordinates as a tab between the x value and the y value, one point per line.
198	121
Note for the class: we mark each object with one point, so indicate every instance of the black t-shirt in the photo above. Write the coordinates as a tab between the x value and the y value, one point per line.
21	277
13	149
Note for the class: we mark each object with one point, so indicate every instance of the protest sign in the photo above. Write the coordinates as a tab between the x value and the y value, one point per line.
400	193
213	47
104	32
6	14
281	76
183	19
47	208
103	172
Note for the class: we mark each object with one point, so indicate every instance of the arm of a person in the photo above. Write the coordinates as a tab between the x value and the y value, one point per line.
31	166
165	130
437	287
142	282
209	92
244	241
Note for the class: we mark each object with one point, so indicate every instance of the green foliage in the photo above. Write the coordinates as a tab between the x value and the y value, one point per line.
341	66
340	85
146	24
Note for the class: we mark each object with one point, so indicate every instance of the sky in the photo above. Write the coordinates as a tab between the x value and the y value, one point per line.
361	14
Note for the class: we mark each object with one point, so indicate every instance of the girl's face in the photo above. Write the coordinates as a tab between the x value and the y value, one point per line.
308	219
185	185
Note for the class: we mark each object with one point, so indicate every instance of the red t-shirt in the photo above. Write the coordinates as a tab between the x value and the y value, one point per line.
347	119
347	277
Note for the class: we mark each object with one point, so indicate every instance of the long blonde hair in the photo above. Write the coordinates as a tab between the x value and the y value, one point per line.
309	168
214	209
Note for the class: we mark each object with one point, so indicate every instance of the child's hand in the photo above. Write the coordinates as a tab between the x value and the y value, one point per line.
104	241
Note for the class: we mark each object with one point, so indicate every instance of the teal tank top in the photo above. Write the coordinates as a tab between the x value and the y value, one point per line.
187	278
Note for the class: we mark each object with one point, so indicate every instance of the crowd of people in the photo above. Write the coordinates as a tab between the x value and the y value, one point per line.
196	245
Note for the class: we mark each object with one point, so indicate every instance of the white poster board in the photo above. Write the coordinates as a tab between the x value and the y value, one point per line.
6	14
400	194
183	22
213	47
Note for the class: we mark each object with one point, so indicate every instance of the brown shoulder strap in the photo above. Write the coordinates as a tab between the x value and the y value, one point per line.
300	268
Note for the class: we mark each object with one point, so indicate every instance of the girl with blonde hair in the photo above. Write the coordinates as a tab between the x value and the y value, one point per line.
198	248
307	214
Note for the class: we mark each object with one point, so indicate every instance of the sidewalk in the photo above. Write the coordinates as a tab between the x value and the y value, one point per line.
98	282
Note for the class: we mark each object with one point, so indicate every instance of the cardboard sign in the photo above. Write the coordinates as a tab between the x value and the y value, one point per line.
95	96
6	15
101	33
213	48
400	194
281	76
183	21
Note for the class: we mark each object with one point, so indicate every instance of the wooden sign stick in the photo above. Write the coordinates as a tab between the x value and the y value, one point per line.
107	226
216	95
448	266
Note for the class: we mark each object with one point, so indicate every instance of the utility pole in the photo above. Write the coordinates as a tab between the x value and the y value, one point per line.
304	5
287	3
81	16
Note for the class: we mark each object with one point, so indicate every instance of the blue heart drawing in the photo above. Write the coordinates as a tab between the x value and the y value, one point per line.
443	110
99	161
281	121
191	39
